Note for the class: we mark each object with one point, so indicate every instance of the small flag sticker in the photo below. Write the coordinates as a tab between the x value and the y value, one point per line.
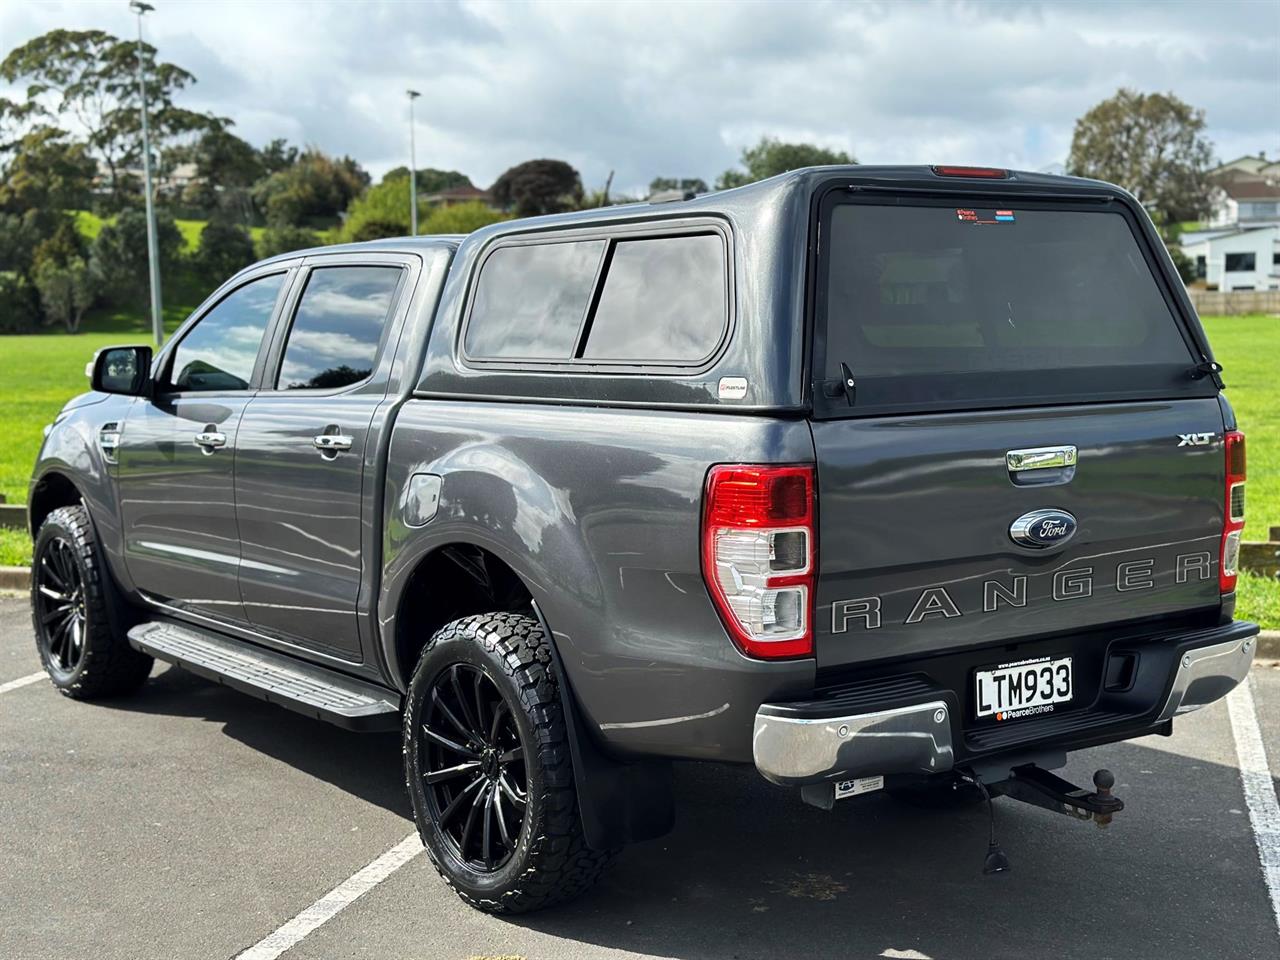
1005	215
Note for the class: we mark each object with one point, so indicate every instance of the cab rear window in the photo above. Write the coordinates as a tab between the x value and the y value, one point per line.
932	306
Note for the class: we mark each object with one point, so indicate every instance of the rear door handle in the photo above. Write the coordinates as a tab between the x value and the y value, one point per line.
210	440
331	442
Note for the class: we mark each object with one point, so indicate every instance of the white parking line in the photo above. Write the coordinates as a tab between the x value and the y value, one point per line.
1259	791
22	681
335	901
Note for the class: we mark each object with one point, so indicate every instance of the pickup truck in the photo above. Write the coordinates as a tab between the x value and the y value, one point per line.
909	479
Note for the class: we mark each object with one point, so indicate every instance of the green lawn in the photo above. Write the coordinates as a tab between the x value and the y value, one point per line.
90	225
44	370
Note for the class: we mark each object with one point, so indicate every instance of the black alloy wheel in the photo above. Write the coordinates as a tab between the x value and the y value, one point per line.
60	606
473	767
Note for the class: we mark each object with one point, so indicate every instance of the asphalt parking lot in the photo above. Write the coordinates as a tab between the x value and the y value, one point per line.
192	821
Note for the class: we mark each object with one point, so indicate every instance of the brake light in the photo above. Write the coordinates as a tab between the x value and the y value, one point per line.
758	555
1232	511
982	173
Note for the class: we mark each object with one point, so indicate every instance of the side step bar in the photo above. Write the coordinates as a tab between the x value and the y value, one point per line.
275	677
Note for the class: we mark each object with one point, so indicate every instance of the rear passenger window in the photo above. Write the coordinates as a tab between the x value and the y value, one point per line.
530	300
663	299
337	327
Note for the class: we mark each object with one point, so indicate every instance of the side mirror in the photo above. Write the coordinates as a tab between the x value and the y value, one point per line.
122	370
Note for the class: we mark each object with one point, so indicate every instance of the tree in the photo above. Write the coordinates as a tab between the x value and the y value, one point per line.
538	186
685	185
118	256
90	76
226	167
277	155
430	180
381	211
48	172
67	290
1153	145
771	156
462	218
61	274
317	187
225	248
285	239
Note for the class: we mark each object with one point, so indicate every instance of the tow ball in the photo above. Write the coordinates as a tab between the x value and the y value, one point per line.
1039	787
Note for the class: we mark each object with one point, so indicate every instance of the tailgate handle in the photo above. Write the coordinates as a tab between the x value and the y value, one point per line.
1040	458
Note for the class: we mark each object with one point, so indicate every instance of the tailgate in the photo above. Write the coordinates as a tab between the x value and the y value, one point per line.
948	336
915	515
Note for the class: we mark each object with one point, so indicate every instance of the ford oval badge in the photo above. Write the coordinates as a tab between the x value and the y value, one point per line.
1041	529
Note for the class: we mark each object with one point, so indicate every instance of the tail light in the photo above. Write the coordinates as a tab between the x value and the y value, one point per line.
758	555
982	173
1233	512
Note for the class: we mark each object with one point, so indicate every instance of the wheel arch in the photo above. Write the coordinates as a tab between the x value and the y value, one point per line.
620	801
52	490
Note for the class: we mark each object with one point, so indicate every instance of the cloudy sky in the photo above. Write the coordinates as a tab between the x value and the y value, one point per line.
677	89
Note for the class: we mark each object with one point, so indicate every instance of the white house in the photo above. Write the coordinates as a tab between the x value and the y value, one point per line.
1236	258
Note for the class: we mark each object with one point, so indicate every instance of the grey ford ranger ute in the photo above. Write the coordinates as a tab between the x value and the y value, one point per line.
878	478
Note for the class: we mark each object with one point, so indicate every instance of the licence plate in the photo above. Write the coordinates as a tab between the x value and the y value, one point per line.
1022	689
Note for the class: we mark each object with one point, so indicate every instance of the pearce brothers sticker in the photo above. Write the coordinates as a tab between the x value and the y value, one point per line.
970	215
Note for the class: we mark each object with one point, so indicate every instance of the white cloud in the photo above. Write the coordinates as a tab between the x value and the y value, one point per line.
678	88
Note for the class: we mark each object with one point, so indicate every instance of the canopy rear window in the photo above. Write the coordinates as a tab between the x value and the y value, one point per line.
962	306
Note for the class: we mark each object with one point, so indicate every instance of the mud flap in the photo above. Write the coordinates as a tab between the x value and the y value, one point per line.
620	802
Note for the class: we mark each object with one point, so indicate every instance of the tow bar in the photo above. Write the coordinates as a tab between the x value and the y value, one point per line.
1039	787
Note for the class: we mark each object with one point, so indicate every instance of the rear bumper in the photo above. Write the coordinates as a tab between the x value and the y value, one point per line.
910	725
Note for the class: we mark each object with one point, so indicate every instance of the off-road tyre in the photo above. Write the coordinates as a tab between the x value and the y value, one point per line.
97	661
550	861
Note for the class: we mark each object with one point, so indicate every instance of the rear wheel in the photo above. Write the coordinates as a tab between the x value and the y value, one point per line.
488	768
81	651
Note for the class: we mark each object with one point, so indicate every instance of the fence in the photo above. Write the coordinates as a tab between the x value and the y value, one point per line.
1209	302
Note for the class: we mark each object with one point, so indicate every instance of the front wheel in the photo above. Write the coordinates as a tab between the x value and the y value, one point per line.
81	651
488	767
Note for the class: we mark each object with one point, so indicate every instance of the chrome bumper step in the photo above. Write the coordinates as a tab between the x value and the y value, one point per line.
911	725
275	677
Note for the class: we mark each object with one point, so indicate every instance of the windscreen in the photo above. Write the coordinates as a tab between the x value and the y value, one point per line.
933	305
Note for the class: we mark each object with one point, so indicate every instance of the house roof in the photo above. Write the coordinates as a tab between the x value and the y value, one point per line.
1248	164
1251	188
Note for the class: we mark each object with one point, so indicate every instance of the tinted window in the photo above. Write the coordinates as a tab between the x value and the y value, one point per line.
337	328
663	299
530	301
929	304
219	351
1240	262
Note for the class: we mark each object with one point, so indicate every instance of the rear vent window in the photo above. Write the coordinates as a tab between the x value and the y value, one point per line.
664	299
937	306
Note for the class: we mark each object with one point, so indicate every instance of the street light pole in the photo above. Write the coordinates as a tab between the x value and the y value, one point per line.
153	253
413	170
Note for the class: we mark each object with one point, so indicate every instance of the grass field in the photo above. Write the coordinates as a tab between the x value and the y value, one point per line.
44	370
90	225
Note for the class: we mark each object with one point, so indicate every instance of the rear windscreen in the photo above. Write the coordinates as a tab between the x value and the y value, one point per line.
931	306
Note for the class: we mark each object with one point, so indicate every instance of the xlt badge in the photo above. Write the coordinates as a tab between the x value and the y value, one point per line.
1040	529
1195	439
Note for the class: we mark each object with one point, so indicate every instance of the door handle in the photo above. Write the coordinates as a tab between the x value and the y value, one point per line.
331	442
210	440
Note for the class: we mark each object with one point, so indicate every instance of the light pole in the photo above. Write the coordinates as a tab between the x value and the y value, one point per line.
153	254
413	170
